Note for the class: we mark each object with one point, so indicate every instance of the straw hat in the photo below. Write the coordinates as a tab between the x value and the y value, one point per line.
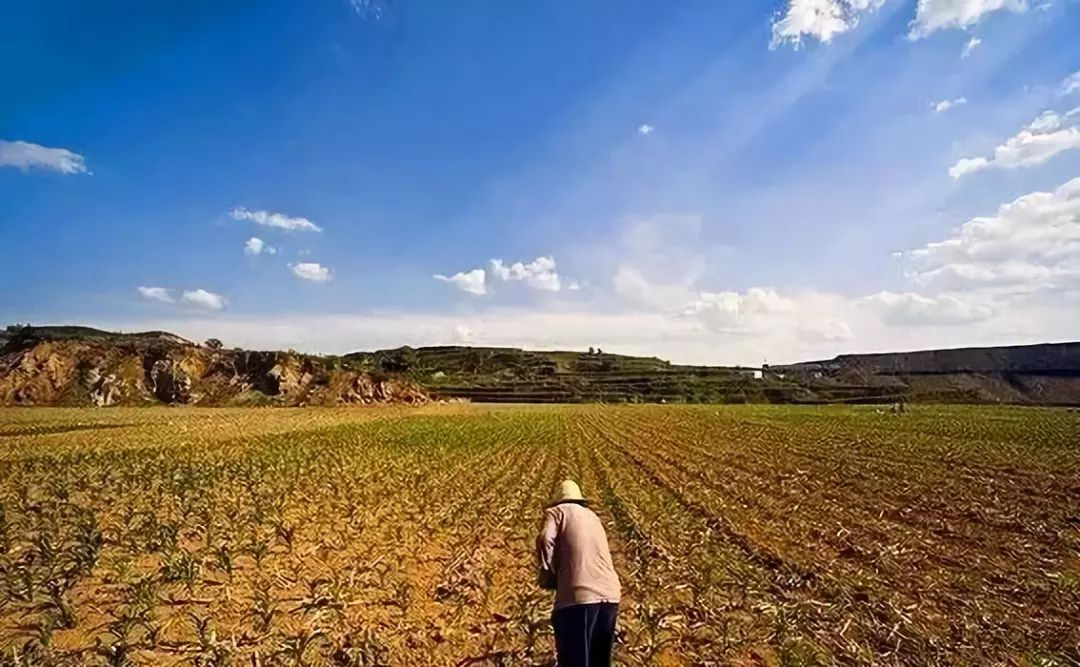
568	490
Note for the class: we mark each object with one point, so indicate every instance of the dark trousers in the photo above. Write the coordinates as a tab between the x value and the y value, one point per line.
584	634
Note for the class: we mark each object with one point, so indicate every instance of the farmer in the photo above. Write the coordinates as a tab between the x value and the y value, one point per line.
575	562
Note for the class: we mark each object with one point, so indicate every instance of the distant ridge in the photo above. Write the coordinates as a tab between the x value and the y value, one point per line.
73	365
1054	358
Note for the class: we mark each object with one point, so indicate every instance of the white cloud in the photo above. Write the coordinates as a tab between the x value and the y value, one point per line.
826	330
1035	144
719	311
200	298
945	105
539	274
1048	121
971	45
934	15
646	129
1071	84
312	271
818	19
26	156
256	246
162	294
965	166
807	317
630	283
660	261
680	339
1006	278
1031	244
278	220
473	282
911	309
722	311
463	333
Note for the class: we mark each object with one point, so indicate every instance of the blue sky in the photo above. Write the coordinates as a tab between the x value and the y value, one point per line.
710	182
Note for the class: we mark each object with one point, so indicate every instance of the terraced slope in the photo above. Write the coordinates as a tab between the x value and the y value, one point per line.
1040	374
509	375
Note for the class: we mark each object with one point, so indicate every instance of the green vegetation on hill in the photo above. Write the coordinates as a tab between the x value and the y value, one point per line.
76	365
1043	374
510	375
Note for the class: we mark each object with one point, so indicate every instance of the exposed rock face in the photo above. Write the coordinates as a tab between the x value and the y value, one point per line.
163	369
36	376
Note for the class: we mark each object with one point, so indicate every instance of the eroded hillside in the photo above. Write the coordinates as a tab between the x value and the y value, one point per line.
78	366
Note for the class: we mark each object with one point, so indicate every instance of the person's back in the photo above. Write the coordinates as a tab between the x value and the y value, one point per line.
575	561
584	572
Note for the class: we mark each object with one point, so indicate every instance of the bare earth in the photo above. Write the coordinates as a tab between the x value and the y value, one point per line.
403	536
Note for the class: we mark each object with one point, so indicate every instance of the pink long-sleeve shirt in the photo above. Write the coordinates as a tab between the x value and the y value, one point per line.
572	548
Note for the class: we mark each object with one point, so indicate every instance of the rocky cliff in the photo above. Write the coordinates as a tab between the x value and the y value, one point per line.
79	366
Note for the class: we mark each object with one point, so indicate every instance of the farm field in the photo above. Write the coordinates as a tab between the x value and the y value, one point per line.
747	535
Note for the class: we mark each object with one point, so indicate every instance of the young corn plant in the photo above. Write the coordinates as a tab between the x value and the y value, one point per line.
263	608
223	559
361	649
296	646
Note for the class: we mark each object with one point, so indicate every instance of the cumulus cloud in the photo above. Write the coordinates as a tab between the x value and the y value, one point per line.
721	311
539	274
971	45
945	105
912	309
200	298
968	165
312	271
1031	244
473	282
1037	143
808	317
934	15
26	156
256	246
646	129
1048	121
1071	84
162	294
278	220
818	19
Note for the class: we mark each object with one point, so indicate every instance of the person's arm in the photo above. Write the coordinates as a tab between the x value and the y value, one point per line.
545	552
